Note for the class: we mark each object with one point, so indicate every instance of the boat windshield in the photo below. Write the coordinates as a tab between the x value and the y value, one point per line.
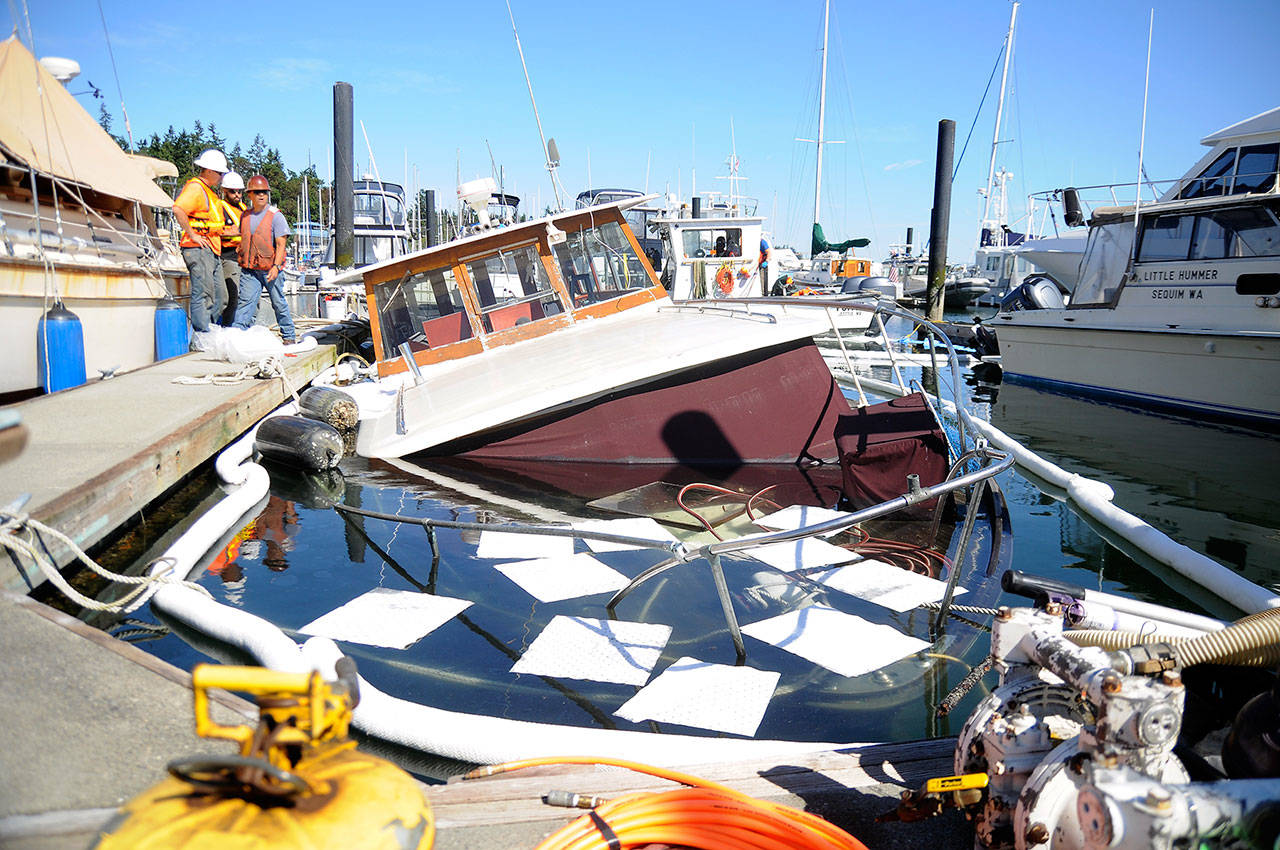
379	208
1105	259
598	263
513	288
425	310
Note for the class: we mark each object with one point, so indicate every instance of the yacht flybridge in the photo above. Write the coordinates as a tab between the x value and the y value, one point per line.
552	339
1187	318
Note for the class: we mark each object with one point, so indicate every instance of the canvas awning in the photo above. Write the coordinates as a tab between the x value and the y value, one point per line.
42	126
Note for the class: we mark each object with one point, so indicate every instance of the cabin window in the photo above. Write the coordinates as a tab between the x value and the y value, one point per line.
424	309
713	242
598	263
1231	232
1214	179
1256	169
382	209
513	288
368	250
1165	237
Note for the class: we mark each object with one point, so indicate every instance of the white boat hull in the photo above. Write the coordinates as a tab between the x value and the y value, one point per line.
1221	374
116	311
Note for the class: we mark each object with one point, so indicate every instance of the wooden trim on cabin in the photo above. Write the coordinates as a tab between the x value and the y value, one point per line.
456	259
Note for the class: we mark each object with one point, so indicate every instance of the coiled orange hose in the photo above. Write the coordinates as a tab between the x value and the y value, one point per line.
706	815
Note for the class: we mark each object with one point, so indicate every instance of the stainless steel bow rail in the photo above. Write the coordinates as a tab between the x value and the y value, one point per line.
994	463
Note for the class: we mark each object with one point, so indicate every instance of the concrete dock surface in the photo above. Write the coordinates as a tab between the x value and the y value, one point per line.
91	721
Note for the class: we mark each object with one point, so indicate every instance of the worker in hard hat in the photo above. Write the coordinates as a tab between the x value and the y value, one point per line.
263	234
232	206
198	211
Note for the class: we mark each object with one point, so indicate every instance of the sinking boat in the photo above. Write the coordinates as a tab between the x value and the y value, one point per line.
553	340
1184	316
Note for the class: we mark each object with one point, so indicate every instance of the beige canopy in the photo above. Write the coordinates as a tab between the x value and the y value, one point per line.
42	126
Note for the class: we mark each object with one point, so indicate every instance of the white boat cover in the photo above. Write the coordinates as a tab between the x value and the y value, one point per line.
43	127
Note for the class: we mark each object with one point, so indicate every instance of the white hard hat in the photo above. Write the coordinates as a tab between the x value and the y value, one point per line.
231	180
212	160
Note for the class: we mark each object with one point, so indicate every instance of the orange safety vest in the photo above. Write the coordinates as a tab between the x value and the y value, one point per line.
208	222
257	250
231	218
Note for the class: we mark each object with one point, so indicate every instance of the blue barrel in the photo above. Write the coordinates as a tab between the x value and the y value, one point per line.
60	349
171	330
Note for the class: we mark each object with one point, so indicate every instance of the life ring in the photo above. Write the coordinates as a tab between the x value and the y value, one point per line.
724	280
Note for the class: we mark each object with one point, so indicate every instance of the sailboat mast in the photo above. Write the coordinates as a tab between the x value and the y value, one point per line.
995	136
822	113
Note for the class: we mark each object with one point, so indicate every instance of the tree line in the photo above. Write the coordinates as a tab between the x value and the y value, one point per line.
181	147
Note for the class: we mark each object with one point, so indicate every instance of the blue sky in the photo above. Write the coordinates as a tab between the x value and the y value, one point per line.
651	89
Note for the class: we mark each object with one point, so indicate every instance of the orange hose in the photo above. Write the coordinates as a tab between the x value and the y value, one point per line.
706	815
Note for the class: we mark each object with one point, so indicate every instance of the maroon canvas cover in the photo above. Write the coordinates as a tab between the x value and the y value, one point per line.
776	405
883	443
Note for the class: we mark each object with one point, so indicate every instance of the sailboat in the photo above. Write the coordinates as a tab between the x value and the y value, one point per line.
829	261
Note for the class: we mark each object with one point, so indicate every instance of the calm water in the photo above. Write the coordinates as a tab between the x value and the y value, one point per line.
1208	487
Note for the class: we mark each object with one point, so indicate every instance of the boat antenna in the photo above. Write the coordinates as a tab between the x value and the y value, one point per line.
995	137
551	165
111	53
1142	139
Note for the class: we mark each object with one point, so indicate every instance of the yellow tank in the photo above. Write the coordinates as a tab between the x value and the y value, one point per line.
298	782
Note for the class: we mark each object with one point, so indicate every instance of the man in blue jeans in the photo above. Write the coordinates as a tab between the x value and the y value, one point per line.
263	234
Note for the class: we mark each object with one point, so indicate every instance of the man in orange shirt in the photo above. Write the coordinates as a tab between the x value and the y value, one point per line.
199	212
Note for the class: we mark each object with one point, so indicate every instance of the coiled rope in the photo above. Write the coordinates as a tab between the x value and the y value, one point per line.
705	815
21	534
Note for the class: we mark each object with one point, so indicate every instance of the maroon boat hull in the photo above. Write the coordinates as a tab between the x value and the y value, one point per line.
777	405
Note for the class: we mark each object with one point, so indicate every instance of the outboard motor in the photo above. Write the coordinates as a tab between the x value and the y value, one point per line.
984	342
852	285
1036	293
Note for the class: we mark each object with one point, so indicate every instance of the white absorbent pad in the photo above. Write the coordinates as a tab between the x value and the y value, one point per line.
597	650
706	696
384	617
800	516
563	577
800	554
641	526
843	643
885	584
501	544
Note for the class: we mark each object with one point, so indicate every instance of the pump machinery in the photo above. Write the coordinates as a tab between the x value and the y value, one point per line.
1081	747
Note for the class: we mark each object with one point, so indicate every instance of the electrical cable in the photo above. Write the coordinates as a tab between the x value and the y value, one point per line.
704	815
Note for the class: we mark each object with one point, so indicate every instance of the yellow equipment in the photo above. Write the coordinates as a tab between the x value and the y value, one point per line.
297	782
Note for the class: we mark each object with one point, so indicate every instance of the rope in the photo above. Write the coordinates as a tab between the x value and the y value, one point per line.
271	366
22	536
963	609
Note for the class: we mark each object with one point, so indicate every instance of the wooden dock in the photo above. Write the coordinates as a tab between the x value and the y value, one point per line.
96	455
90	721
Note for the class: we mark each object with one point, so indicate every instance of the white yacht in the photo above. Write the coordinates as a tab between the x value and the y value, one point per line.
1187	316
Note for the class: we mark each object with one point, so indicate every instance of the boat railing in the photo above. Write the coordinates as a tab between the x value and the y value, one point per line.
27	232
991	464
1125	194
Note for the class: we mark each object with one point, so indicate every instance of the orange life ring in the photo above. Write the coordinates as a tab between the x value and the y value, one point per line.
724	280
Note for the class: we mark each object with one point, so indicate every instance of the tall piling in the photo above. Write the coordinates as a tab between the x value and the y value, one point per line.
433	229
940	219
343	191
911	233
